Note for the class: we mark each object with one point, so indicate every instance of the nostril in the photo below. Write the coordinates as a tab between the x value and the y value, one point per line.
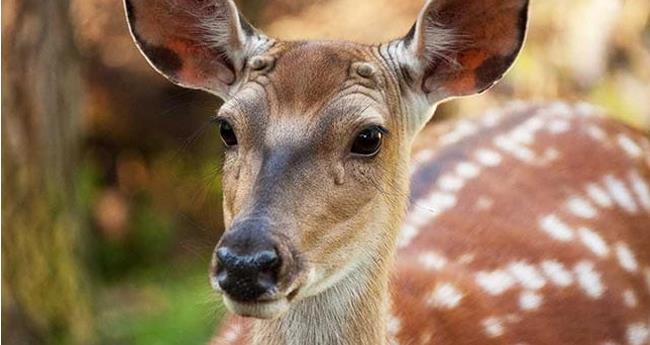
222	277
262	260
267	260
246	277
225	256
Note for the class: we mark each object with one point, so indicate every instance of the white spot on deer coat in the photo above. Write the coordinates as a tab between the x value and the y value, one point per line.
555	227
406	234
466	126
561	109
450	183
589	279
641	189
599	196
488	158
620	194
422	214
491	118
445	296
495	282
517	150
467	170
594	242
534	124
432	260
394	325
626	257
609	343
597	133
527	275
629	146
638	334
466	259
556	273
581	208
484	203
550	154
529	300
523	136
587	109
493	327
559	126
423	156
629	298
462	130
441	201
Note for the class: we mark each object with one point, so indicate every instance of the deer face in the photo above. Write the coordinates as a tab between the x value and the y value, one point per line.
307	151
317	134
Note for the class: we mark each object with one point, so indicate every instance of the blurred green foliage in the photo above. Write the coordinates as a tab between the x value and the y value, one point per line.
149	235
172	304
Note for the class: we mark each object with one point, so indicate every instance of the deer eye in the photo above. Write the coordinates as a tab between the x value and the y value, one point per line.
227	133
368	142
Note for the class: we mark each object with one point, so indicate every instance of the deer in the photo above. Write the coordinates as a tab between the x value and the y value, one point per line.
527	225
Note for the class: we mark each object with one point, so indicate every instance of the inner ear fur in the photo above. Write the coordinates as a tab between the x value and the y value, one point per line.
462	47
199	44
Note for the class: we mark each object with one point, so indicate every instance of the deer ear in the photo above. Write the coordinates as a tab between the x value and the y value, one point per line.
198	44
462	47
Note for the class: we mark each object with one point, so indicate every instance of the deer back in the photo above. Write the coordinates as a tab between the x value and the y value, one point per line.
529	225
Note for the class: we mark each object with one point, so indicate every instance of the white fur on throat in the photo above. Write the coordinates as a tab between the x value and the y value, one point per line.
331	316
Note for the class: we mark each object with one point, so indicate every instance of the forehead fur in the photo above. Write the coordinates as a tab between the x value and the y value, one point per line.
307	74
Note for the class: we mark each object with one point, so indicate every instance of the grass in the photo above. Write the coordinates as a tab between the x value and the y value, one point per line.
169	307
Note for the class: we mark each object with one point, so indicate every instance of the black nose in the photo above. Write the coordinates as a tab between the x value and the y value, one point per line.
245	275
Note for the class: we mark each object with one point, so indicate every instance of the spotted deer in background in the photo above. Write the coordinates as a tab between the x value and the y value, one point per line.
529	225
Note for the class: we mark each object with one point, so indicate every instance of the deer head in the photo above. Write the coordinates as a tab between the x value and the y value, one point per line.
318	133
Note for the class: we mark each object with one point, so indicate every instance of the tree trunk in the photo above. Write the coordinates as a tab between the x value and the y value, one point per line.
45	298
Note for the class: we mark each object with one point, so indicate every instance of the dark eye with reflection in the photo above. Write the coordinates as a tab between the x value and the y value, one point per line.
368	142
227	133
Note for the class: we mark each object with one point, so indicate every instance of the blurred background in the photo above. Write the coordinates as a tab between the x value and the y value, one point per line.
111	186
